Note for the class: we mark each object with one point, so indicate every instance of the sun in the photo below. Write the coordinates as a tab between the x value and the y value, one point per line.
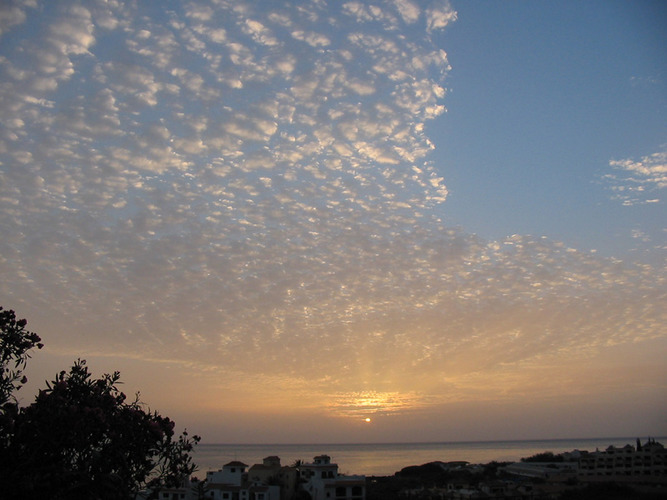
367	419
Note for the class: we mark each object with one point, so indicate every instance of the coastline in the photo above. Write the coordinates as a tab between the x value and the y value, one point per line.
384	459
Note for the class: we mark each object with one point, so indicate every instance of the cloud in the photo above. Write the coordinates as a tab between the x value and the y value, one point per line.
199	12
260	33
311	38
409	11
638	181
439	14
11	14
73	33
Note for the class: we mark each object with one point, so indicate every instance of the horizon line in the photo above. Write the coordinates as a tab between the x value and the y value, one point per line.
524	440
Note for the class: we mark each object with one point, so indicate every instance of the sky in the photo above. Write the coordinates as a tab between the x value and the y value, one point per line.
344	221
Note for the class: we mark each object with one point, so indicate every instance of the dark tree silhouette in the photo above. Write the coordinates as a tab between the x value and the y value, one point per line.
15	342
82	439
546	456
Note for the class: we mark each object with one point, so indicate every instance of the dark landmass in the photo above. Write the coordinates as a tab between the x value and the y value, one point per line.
611	491
408	482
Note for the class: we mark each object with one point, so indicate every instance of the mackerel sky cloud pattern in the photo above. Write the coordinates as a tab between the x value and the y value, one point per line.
248	187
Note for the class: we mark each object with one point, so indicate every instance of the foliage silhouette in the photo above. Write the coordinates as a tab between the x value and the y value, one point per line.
82	439
15	342
546	456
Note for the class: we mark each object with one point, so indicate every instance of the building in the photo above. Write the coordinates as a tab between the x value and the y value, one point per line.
266	481
272	481
225	483
271	472
645	463
266	472
322	481
232	482
548	471
231	473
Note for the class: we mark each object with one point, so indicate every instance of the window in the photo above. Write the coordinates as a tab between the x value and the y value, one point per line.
340	491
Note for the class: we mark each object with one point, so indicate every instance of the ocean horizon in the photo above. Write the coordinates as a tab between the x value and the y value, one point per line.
384	459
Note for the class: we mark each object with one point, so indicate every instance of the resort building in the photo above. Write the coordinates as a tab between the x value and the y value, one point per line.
322	481
272	481
233	483
231	473
547	471
645	463
271	472
318	480
267	471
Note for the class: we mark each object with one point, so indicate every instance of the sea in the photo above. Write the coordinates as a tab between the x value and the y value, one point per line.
388	458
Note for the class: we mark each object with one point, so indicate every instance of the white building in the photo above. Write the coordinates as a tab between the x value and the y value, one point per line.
232	483
645	463
267	471
231	473
225	484
323	482
271	481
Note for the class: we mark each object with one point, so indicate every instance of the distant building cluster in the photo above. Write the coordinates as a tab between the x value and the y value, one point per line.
642	465
640	468
634	470
318	480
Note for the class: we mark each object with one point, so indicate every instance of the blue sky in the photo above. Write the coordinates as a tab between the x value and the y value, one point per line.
279	219
543	96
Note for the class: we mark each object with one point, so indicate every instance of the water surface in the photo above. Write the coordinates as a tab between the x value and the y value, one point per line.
388	458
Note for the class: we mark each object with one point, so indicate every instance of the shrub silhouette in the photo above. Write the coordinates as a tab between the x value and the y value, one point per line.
81	438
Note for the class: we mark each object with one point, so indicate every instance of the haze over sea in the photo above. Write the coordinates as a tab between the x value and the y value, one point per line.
387	458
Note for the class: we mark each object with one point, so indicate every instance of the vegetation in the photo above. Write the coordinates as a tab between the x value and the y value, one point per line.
416	481
81	438
15	344
547	456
